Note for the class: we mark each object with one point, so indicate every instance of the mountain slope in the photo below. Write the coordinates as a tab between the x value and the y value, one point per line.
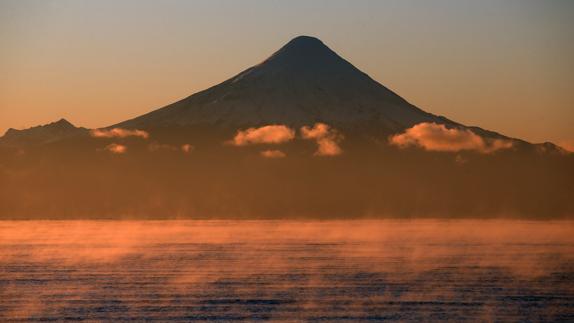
302	83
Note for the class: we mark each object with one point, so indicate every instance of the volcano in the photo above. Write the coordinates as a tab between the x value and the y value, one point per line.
304	134
303	83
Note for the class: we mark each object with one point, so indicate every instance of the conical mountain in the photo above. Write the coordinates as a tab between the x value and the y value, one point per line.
302	83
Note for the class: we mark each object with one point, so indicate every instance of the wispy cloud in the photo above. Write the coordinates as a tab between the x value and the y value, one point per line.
157	147
271	134
437	137
187	148
327	139
116	148
273	153
118	133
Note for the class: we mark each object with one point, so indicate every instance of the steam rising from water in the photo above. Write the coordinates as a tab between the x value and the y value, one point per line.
291	270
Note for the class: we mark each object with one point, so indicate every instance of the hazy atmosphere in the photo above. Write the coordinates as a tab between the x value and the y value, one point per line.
501	65
286	161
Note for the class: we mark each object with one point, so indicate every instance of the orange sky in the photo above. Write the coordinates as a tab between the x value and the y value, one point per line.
505	66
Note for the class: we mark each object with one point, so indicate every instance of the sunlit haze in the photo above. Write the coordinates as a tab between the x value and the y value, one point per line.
286	161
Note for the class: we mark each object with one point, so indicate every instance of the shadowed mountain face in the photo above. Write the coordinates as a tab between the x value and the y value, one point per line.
373	155
43	134
302	83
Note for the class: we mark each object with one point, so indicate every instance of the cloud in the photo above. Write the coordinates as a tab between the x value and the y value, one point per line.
271	134
118	133
437	137
187	148
156	146
273	154
116	148
327	139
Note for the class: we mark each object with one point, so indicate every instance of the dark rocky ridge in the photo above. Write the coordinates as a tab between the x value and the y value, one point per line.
42	134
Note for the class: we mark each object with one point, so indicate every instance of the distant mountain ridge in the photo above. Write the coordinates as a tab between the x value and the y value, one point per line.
42	134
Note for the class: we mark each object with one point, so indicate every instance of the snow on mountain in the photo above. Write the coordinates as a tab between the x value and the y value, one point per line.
304	82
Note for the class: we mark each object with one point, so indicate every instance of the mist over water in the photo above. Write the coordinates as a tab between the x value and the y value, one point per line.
287	270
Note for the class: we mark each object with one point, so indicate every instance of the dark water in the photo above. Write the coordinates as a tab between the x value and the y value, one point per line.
421	270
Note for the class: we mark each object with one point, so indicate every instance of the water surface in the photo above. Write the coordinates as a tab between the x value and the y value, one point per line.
416	270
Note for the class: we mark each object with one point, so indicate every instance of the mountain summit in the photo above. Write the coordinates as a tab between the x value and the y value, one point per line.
302	83
304	53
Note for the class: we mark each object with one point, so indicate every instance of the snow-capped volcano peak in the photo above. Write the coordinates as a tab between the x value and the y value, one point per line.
303	51
302	83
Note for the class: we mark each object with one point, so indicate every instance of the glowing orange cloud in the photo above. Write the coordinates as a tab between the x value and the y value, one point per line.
273	154
437	137
116	148
326	137
118	133
271	134
187	148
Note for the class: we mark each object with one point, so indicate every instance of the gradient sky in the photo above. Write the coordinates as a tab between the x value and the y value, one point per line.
503	65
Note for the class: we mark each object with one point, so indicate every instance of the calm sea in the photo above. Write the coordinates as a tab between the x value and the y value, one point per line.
415	270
